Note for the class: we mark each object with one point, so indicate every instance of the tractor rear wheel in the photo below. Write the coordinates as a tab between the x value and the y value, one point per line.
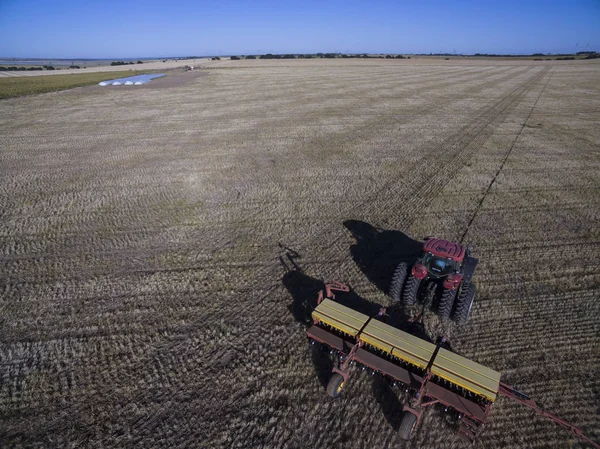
408	424
465	304
398	282
411	289
446	303
335	385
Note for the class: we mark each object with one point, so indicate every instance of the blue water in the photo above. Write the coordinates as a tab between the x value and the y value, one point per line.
137	79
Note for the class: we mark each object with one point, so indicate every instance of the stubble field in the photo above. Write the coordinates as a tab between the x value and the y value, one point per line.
144	302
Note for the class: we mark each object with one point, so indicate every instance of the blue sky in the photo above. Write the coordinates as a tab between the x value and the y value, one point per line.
136	28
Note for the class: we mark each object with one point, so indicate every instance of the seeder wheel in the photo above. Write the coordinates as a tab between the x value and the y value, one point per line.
335	385
407	426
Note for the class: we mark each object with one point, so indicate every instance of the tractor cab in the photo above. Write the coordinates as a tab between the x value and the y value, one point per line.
440	259
440	266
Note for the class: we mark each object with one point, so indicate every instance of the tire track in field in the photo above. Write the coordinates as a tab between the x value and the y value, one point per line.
313	241
443	161
223	235
432	105
493	181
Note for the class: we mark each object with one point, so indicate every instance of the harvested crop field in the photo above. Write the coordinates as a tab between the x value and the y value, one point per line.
143	295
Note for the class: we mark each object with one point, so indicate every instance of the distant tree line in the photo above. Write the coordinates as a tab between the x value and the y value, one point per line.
125	63
318	55
29	69
19	69
561	56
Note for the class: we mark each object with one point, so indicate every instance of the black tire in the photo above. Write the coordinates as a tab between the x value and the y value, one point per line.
398	282
411	289
446	303
335	385
464	304
407	426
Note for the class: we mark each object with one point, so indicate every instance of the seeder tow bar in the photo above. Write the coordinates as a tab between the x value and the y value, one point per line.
523	399
432	373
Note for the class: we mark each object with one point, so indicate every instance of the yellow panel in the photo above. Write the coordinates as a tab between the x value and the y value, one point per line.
472	377
399	343
410	357
340	317
450	359
449	366
347	311
385	347
466	373
335	324
397	334
464	383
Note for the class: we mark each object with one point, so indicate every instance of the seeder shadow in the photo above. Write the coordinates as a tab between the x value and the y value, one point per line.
305	289
377	252
321	359
388	400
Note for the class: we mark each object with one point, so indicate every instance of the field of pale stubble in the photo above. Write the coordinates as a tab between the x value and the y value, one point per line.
143	299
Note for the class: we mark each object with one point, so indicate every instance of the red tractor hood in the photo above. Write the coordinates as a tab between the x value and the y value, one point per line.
444	248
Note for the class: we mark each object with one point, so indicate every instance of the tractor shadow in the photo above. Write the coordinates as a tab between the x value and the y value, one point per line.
377	252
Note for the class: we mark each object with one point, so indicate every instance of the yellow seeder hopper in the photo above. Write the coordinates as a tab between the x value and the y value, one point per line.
434	374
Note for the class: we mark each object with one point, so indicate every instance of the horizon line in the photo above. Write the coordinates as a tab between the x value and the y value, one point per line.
288	53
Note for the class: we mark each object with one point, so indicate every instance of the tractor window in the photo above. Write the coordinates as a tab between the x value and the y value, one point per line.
441	266
438	265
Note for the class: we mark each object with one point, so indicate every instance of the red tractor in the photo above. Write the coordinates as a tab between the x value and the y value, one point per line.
443	264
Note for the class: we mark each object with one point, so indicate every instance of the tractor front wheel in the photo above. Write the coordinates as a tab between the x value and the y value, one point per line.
408	424
335	385
465	304
446	303
411	289
398	282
